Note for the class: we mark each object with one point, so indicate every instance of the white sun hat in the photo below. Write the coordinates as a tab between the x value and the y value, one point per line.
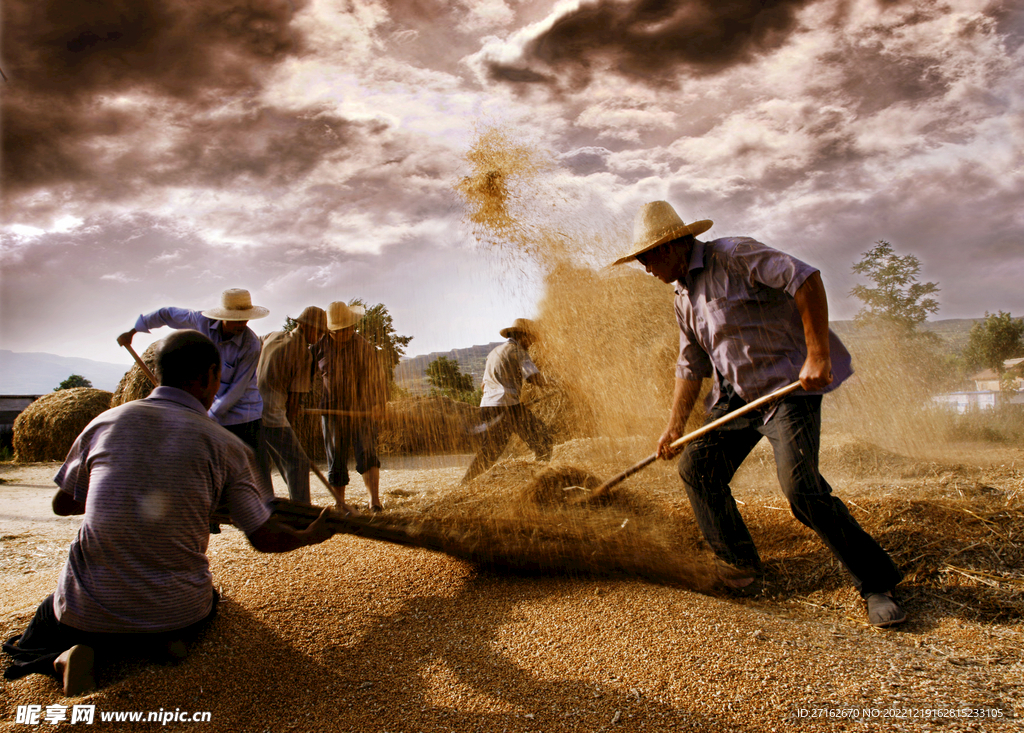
657	223
236	305
340	315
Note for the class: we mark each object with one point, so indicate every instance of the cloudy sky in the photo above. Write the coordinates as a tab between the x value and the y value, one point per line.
156	152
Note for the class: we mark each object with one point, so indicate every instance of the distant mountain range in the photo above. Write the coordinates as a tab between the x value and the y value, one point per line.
411	374
39	373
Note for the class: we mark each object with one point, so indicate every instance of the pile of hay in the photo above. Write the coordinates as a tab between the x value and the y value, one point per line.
135	385
45	430
510	518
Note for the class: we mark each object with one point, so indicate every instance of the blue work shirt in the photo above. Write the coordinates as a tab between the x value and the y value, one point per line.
738	318
238	399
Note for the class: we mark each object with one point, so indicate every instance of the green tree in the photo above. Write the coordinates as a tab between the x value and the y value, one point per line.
75	380
378	328
999	337
897	301
444	374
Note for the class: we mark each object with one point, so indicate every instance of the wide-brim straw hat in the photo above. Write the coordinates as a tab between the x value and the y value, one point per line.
313	317
657	223
236	305
340	315
520	325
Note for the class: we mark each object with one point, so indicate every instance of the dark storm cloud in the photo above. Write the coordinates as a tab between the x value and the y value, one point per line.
652	40
66	60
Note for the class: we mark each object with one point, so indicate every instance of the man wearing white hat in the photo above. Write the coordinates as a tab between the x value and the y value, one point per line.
355	397
755	319
283	376
501	408
238	405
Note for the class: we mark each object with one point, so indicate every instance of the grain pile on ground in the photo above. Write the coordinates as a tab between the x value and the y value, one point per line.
135	385
45	430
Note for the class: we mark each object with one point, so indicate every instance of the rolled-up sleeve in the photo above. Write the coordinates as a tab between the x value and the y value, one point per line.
763	265
693	362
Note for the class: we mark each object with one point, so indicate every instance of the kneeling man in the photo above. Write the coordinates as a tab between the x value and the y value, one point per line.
147	475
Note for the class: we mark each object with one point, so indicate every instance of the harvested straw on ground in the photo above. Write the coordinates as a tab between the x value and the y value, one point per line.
135	385
45	430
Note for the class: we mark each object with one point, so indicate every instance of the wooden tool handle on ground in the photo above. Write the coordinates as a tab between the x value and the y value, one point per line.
142	365
604	488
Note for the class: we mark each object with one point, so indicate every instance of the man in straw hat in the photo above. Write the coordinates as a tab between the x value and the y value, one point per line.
283	375
355	397
755	319
238	405
501	408
147	476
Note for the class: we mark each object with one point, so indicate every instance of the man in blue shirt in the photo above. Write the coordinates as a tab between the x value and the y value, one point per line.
755	319
237	405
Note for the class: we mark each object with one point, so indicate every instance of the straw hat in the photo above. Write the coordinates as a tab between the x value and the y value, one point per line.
236	305
341	316
313	316
520	325
657	223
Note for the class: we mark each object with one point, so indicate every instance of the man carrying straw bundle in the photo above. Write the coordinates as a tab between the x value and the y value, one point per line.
353	403
148	476
755	319
501	408
283	375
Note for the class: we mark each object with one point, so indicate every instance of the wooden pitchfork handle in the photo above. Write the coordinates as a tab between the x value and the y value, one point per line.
142	365
604	488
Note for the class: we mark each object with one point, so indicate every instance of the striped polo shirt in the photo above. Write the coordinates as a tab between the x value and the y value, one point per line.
150	473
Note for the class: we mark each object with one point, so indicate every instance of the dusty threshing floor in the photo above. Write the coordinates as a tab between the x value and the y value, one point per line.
355	635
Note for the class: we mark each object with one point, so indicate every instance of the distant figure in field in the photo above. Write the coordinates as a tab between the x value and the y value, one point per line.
501	408
754	320
354	400
238	405
147	475
284	375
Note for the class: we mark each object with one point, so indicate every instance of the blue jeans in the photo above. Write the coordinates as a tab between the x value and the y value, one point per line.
282	446
341	436
794	430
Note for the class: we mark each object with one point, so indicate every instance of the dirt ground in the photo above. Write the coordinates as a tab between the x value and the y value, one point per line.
357	635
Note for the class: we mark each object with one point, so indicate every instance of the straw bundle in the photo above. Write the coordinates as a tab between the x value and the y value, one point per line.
45	430
135	385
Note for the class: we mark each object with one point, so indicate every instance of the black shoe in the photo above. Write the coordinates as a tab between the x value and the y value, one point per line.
883	610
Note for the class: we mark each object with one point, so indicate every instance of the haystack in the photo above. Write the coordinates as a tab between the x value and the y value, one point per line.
45	430
135	385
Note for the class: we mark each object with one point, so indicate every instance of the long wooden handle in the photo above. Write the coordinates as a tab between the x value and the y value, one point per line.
615	481
347	413
142	365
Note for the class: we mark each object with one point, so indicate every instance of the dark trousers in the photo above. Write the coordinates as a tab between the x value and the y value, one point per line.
36	649
282	446
709	463
251	434
501	423
344	434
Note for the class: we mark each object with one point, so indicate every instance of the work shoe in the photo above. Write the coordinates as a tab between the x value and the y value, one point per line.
883	610
75	666
740	582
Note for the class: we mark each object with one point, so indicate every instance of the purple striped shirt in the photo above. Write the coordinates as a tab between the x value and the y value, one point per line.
737	316
150	473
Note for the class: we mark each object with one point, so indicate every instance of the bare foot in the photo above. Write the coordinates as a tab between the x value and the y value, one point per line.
75	666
